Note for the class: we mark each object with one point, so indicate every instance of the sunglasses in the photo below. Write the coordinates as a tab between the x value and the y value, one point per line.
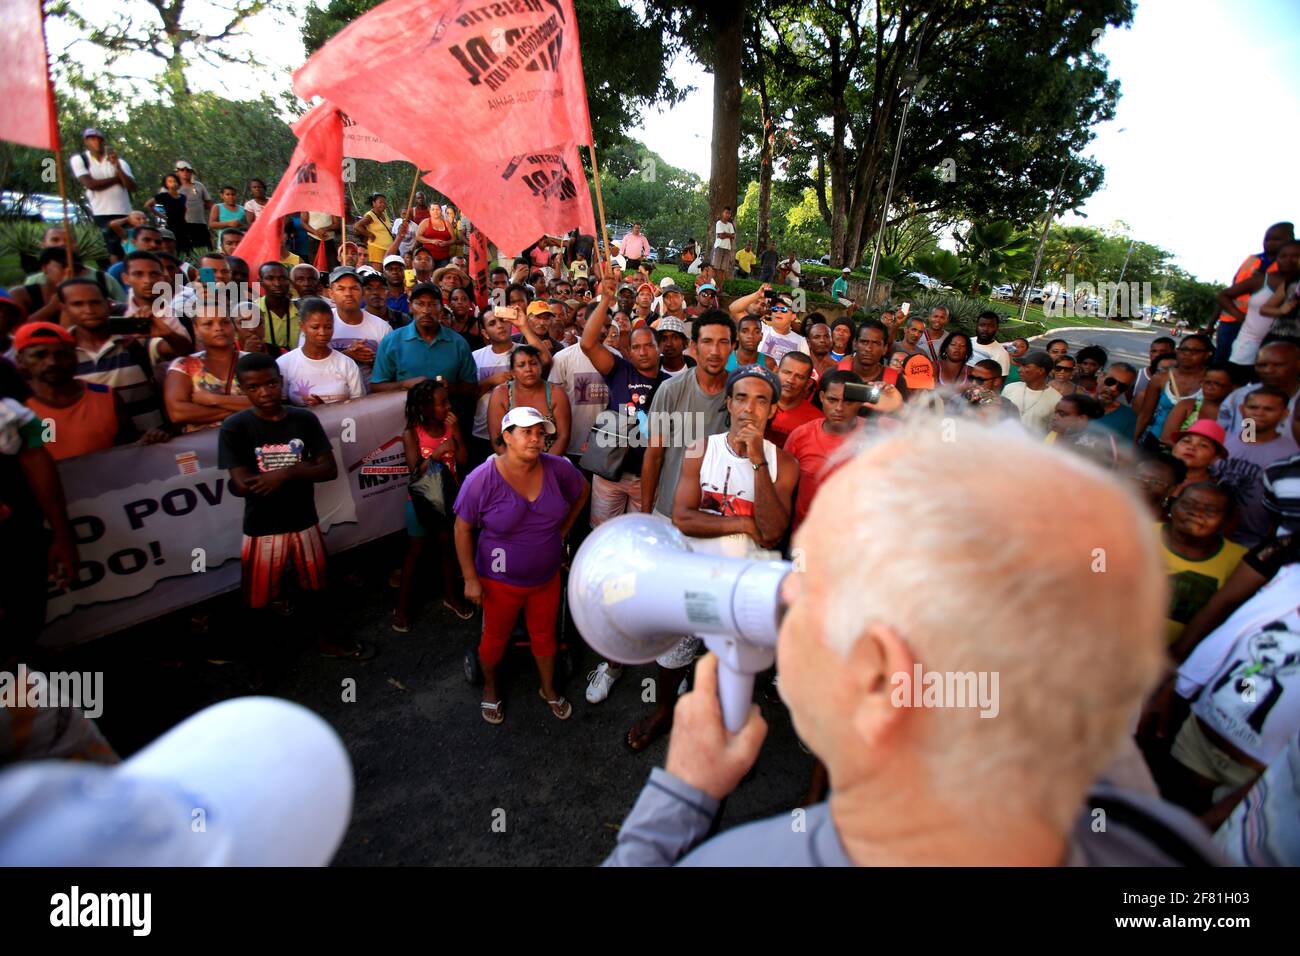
780	308
1065	368
1110	382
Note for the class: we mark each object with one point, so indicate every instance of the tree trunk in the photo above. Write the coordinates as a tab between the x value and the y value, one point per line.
838	158
765	151
727	23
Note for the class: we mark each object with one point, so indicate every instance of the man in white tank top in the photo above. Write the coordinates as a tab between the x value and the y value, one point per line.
733	498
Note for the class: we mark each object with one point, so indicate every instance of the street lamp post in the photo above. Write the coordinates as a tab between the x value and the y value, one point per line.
909	77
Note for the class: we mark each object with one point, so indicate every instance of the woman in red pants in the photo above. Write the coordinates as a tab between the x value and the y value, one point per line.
522	502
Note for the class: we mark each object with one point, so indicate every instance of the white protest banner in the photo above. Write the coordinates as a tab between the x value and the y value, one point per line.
158	528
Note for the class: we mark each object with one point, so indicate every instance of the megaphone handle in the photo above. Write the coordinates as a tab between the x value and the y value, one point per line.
736	694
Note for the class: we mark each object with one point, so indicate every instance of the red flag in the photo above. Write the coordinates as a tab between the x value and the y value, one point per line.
28	116
321	262
478	266
313	182
507	76
518	199
360	143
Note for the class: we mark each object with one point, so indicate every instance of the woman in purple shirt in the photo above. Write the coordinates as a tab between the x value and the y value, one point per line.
523	503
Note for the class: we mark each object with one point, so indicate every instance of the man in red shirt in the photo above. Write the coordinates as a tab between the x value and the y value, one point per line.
1275	237
792	407
815	443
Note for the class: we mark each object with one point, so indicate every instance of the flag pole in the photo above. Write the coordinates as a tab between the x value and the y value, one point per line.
58	146
600	203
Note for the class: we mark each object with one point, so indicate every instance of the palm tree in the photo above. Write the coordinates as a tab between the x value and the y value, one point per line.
993	252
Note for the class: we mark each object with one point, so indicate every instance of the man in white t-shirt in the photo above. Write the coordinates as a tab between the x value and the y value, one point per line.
315	374
357	333
108	183
986	345
790	272
587	390
1034	399
724	245
493	364
779	337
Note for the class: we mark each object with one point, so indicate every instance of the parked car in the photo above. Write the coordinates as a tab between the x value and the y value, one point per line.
37	206
934	285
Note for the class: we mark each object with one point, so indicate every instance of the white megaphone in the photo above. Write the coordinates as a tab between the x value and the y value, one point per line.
636	588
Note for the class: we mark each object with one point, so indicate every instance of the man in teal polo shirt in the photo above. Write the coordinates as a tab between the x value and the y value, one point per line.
424	349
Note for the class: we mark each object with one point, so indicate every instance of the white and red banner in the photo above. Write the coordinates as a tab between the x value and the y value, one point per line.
312	183
28	113
157	528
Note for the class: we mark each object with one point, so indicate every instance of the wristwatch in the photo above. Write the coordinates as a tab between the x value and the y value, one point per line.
758	464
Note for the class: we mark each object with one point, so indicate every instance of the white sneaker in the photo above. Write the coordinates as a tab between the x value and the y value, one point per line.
600	681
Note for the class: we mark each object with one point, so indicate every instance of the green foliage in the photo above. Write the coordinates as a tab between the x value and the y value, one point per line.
995	252
22	239
639	186
1195	301
226	141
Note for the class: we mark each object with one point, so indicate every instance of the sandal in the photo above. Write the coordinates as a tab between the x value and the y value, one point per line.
363	651
401	625
491	711
464	613
560	707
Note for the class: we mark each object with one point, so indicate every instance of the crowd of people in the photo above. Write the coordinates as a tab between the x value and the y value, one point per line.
579	391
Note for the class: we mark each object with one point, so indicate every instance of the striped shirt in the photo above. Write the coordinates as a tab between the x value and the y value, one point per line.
126	370
1282	492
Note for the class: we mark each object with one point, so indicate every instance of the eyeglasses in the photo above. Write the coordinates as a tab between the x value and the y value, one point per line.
780	308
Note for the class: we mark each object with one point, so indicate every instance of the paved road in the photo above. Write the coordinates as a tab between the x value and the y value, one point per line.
1121	345
430	773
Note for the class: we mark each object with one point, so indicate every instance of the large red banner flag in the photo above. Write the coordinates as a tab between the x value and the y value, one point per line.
312	183
360	143
28	113
491	79
516	200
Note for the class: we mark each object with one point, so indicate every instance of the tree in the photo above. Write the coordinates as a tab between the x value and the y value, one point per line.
1193	300
993	252
1005	140
624	58
164	29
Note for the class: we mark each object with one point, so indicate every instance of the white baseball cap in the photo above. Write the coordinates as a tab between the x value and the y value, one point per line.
666	283
526	415
398	259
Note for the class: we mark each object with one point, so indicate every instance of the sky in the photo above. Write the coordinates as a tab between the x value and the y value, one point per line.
1207	116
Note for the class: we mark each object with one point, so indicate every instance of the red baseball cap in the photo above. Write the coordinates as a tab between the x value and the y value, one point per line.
1207	428
36	333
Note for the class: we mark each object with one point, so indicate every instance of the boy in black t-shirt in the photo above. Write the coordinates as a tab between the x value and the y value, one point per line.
276	454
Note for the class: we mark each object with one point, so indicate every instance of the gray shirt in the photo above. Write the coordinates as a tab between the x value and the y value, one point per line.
671	817
1230	411
680	414
196	195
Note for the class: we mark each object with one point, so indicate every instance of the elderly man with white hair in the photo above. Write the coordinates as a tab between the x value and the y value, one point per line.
936	780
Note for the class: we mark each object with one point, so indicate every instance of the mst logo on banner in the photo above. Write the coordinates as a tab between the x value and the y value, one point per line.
530	48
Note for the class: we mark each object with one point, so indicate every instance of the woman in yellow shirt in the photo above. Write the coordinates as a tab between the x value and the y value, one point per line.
377	229
1198	557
